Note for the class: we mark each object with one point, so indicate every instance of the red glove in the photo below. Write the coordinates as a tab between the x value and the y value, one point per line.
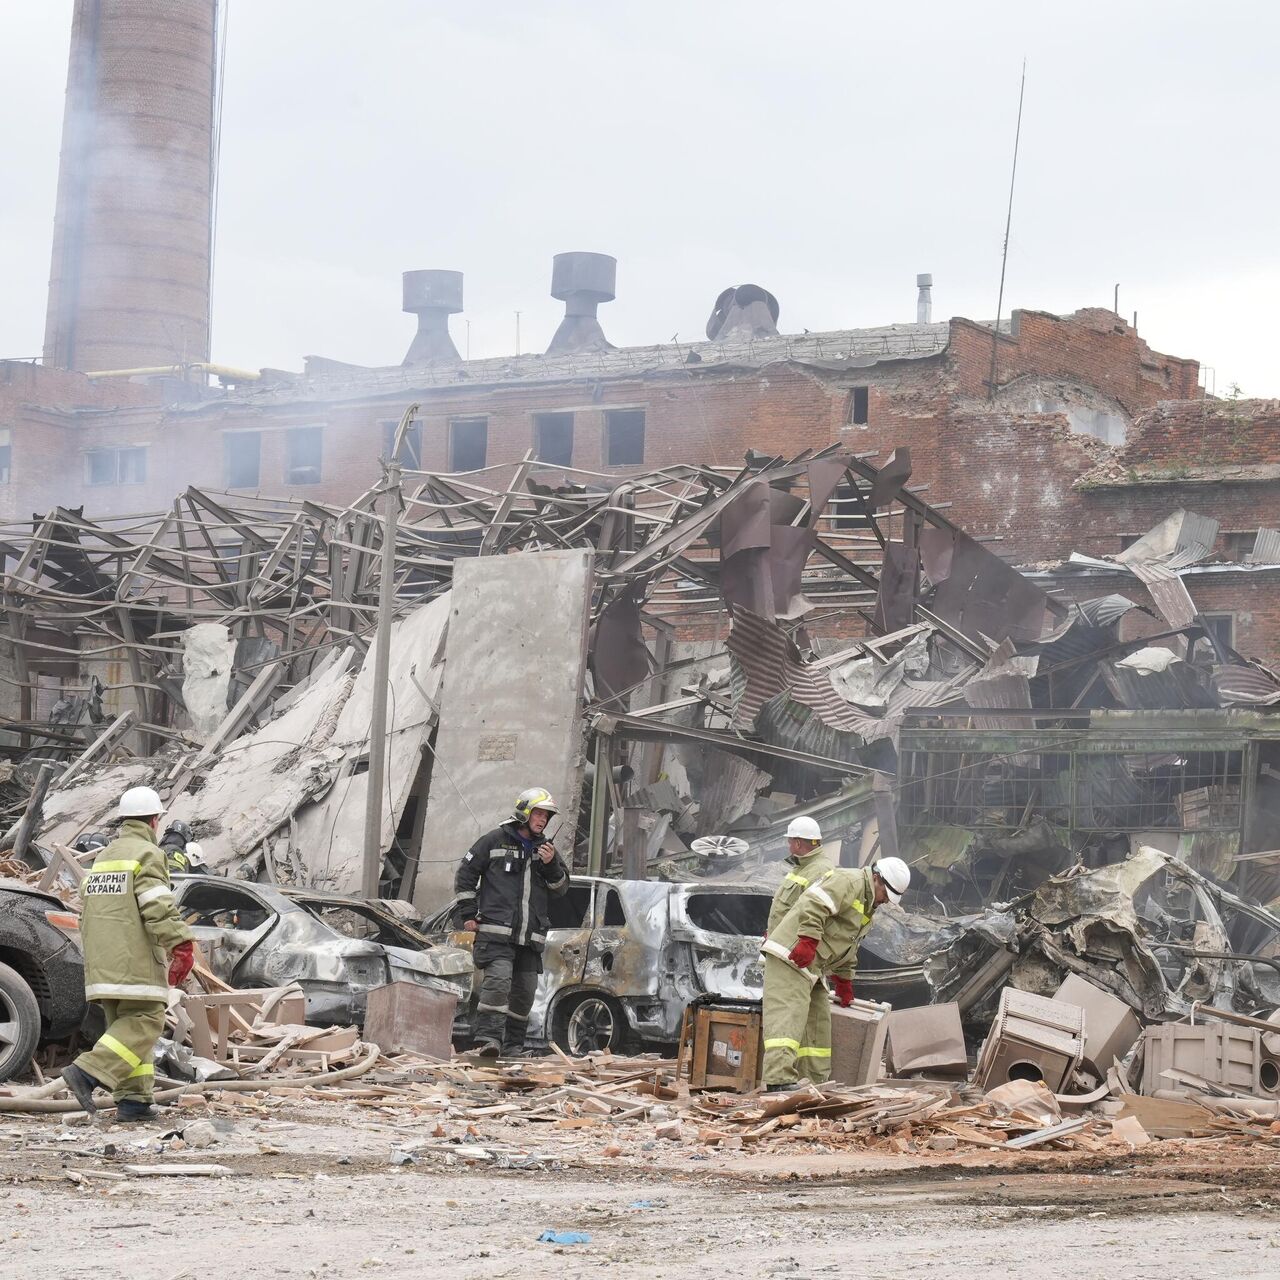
181	961
803	952
844	991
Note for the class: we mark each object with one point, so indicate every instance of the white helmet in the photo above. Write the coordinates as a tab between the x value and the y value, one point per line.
804	828
896	876
139	802
195	854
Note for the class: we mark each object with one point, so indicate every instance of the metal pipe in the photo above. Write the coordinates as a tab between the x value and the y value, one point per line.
372	866
230	372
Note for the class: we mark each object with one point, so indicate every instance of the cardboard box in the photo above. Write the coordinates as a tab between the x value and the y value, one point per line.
857	1041
927	1039
1031	1038
403	1017
1111	1028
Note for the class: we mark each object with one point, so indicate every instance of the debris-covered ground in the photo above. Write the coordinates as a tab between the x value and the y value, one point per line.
317	1189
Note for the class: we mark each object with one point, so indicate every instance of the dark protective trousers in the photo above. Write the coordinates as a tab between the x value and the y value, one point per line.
797	1025
508	981
122	1058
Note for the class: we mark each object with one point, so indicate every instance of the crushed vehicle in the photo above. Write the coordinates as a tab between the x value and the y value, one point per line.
336	948
41	974
624	957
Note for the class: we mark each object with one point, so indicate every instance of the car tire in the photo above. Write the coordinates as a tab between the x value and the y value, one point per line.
19	1023
591	1023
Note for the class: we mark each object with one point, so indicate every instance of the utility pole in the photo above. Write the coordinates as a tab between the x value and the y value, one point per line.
517	333
372	869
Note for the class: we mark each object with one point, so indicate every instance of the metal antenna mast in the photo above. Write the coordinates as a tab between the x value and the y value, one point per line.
1008	222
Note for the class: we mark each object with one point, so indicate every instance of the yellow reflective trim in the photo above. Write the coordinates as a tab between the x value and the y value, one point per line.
121	865
783	1043
808	1052
120	1051
146	1069
798	879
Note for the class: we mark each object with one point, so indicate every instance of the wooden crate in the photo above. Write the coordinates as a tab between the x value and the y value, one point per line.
403	1017
727	1049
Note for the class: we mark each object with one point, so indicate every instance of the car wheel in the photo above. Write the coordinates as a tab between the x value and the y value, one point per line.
592	1024
19	1023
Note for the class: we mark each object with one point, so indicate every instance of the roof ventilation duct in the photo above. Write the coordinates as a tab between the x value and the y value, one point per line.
433	296
924	298
745	312
582	281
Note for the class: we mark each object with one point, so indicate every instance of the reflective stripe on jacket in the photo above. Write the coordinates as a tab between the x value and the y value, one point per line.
129	921
803	872
504	887
836	909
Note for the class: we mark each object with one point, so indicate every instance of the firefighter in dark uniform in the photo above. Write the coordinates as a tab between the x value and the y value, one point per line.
503	884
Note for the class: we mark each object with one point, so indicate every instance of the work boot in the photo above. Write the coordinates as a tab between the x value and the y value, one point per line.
131	1111
485	1051
780	1088
82	1085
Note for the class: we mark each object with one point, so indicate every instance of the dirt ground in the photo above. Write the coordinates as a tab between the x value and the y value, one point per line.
325	1192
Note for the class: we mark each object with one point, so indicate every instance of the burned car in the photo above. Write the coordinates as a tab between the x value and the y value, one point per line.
624	957
335	948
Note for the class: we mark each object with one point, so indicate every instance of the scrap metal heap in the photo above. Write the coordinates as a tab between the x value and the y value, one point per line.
804	635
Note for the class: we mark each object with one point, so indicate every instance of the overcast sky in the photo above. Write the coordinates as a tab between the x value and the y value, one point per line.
828	152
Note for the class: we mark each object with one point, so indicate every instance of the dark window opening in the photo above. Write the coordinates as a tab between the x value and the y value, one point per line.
1222	626
861	405
303	446
570	910
553	438
116	466
410	447
468	444
846	512
242	459
613	912
740	914
624	437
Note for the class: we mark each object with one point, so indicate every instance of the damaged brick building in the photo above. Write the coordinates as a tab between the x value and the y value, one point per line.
1090	439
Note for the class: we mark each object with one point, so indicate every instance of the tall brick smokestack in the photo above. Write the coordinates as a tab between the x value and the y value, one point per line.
129	285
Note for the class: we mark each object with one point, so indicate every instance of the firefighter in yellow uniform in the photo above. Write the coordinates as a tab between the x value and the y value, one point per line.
807	861
818	937
135	947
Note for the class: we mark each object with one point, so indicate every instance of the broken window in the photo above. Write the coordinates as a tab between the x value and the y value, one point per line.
740	914
116	466
410	447
211	905
553	438
242	459
624	437
569	911
1222	626
363	925
846	513
468	443
861	406
6	446
302	455
613	912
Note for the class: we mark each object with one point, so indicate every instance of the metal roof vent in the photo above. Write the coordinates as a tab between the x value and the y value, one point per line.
582	281
433	296
745	312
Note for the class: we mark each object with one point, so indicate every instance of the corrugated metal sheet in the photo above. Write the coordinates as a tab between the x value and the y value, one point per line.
1241	685
1266	548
